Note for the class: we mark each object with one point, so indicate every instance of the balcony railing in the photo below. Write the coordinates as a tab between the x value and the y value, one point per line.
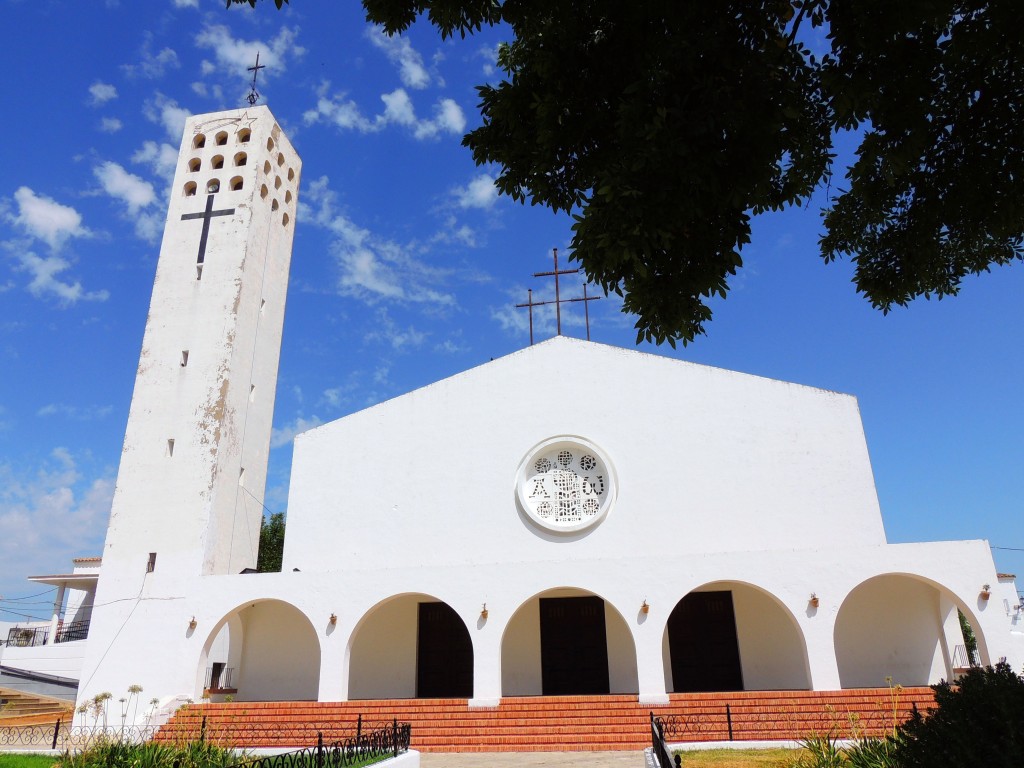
223	681
964	660
27	637
73	630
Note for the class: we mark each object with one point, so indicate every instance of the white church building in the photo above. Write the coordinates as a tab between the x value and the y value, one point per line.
572	518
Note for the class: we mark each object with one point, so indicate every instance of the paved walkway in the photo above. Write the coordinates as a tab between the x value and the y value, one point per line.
633	759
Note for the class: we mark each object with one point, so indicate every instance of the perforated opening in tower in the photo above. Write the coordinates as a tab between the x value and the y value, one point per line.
264	191
213	185
221	139
270	144
184	358
194	164
190	189
267	167
274	206
241	158
285	220
277	182
244	135
291	175
236	183
217	162
280	159
199	141
288	196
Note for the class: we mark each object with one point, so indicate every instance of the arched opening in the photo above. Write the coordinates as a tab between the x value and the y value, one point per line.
270	144
277	182
199	141
212	186
244	135
733	636
265	650
241	158
194	164
288	196
285	220
273	205
264	191
221	138
280	159
190	189
236	184
411	646
217	162
567	641
267	167
902	629
291	175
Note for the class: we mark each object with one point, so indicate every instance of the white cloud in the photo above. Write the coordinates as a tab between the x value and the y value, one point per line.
136	193
77	413
398	49
398	110
280	436
46	219
110	125
233	55
489	53
479	193
50	514
186	3
45	273
127	187
101	93
161	158
167	113
372	268
152	65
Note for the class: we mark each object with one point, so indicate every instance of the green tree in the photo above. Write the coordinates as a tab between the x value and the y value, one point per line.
271	543
663	127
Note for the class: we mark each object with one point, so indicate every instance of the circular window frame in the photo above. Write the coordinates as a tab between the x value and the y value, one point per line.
526	473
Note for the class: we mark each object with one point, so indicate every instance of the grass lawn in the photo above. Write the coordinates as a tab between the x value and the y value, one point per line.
739	758
26	761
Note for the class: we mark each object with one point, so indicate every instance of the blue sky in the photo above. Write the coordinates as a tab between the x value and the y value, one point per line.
406	269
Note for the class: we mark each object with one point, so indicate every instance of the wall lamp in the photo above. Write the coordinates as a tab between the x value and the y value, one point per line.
192	623
484	612
986	592
644	607
813	600
334	619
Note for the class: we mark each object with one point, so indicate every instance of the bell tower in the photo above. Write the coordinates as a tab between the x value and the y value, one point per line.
189	494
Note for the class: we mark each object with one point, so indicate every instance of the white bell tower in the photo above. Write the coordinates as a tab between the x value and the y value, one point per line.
189	495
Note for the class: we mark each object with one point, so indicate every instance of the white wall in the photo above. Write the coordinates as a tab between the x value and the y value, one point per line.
890	627
382	662
61	659
280	657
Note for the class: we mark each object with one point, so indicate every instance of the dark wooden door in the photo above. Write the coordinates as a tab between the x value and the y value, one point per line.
573	646
444	654
703	644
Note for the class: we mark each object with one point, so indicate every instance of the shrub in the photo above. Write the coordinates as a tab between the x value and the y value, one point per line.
978	721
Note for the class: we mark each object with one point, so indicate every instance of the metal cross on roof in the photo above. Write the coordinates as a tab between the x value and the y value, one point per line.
254	95
558	300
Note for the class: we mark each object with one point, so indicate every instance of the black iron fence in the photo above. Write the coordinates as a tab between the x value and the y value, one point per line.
65	736
27	637
659	747
381	743
73	630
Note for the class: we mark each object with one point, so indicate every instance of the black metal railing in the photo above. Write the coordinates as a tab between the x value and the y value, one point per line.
389	741
73	630
659	747
225	679
66	737
27	637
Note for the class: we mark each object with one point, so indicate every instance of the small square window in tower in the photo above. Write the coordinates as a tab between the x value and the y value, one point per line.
184	358
151	563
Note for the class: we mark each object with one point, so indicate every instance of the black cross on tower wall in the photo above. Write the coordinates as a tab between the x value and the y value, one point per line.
206	215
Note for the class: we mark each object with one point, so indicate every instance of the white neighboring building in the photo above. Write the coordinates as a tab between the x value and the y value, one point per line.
572	518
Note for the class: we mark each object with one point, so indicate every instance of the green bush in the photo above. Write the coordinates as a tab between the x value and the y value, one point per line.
117	754
979	721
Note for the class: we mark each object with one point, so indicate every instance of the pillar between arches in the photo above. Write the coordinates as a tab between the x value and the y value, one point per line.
819	631
650	663
334	643
486	635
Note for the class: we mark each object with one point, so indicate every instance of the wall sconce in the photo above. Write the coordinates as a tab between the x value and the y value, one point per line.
484	612
333	620
644	607
813	600
986	592
192	623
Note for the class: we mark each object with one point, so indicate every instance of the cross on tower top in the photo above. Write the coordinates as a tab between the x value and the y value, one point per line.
254	95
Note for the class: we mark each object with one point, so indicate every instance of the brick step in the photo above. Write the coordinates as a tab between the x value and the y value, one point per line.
570	723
